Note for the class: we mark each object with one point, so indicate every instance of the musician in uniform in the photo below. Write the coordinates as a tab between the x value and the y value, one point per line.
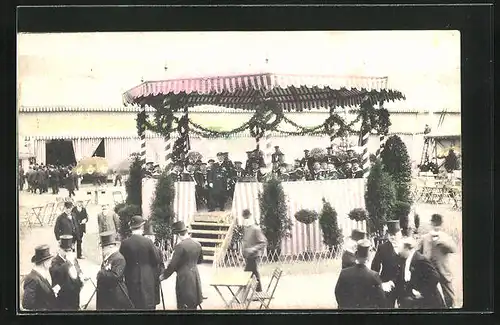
228	166
149	233
201	187
66	272
358	287
38	292
112	293
248	163
217	182
176	173
239	172
357	172
141	266
307	162
277	159
187	255
387	262
259	157
348	255
256	174
283	174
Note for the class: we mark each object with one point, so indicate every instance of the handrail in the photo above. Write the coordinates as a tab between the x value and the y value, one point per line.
221	250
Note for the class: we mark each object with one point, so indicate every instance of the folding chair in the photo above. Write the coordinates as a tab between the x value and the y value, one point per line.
265	297
47	212
247	295
37	212
25	218
118	197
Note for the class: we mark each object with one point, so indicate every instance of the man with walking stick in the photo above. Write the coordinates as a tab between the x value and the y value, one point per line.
111	291
148	233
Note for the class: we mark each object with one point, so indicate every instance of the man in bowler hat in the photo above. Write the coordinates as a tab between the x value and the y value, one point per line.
39	294
112	293
141	266
387	262
350	245
253	243
67	224
66	272
358	287
187	254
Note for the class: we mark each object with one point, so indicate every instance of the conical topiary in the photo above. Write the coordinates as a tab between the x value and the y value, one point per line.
133	185
162	209
332	234
396	162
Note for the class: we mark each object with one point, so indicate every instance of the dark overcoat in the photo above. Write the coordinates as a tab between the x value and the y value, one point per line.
80	216
112	292
68	297
387	260
65	226
141	270
187	254
69	183
160	270
37	293
424	279
359	288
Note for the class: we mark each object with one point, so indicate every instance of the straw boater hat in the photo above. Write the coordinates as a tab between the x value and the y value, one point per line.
66	242
108	238
136	222
42	253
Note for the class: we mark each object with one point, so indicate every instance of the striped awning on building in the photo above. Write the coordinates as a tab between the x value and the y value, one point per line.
291	92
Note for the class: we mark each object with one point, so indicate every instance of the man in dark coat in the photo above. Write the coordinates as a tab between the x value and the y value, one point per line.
359	287
253	244
201	187
66	224
217	182
66	272
248	163
38	292
177	172
70	184
388	260
54	180
348	255
141	266
187	254
149	233
418	281
112	292
81	218
307	161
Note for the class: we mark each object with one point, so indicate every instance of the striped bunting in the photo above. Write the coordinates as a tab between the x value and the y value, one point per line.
344	195
185	202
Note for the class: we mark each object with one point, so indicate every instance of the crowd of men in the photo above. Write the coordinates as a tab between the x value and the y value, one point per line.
216	179
131	271
41	178
404	272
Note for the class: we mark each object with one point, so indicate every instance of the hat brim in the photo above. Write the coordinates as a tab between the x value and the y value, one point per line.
176	231
34	260
138	226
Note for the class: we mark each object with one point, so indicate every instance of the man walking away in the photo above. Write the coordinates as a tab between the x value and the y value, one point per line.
254	243
70	184
82	218
437	246
359	287
118	179
187	255
141	266
149	233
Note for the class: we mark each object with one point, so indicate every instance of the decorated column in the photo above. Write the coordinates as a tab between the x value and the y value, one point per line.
169	146
141	128
365	163
268	148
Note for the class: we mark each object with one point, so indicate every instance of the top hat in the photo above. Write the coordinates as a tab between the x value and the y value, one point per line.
393	226
211	160
68	204
66	242
276	147
358	234
108	238
148	228
237	163
246	214
437	219
42	253
362	248
178	227
136	222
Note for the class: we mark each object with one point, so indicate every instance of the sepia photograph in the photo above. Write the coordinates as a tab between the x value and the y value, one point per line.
239	171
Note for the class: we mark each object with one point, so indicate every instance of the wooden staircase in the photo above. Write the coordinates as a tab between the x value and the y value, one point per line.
210	229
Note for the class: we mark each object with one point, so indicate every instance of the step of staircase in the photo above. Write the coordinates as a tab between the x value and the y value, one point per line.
210	230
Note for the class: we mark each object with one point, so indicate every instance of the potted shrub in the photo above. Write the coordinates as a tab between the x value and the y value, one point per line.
357	214
307	217
332	234
162	210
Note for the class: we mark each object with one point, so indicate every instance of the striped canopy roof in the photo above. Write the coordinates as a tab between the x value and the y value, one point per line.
291	92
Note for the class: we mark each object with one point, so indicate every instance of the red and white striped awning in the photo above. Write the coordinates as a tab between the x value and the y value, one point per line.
292	92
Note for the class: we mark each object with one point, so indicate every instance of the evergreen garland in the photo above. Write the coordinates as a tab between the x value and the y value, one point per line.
332	234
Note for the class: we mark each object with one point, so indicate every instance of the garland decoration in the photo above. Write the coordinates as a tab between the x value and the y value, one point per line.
267	116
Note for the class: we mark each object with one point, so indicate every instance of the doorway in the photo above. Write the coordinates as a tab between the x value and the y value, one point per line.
100	151
59	152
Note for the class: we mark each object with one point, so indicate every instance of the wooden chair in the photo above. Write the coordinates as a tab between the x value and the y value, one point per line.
246	297
265	297
25	218
48	212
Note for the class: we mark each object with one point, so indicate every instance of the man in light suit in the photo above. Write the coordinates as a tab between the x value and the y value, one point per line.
418	281
187	255
437	247
358	287
108	220
254	242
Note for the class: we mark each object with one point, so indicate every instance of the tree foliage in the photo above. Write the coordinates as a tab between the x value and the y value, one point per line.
396	162
274	220
306	216
133	185
126	212
332	234
380	196
357	214
162	209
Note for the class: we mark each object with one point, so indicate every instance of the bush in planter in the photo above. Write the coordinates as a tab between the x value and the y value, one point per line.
357	214
396	162
126	212
274	220
332	234
162	209
307	217
380	196
133	185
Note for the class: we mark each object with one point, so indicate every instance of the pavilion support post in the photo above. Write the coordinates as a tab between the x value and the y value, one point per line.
169	146
383	139
142	137
364	145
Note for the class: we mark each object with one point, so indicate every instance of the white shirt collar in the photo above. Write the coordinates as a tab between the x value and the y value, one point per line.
407	273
